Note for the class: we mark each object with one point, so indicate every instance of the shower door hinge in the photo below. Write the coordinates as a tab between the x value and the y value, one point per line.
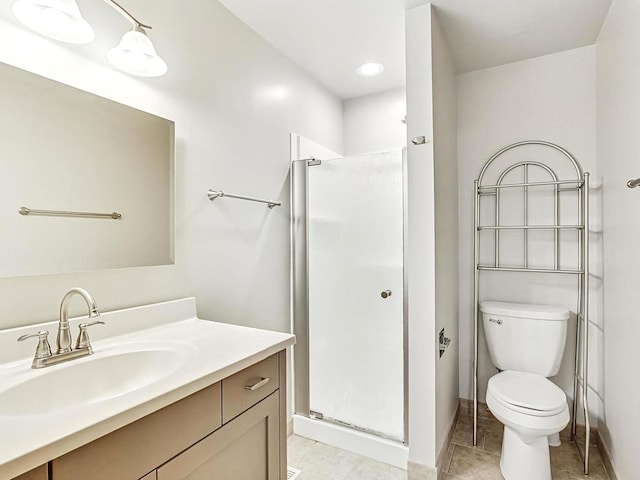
316	415
313	162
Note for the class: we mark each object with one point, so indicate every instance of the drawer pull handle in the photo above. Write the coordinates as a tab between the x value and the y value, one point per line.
257	385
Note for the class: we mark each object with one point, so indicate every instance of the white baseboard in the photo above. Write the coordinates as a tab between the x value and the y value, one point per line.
606	458
442	457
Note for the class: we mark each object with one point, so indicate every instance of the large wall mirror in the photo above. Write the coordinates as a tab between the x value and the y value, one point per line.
67	150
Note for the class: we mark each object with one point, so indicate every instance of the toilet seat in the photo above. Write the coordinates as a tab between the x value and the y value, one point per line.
527	393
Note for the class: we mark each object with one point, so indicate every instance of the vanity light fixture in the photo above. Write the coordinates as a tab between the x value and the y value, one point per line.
136	55
61	20
57	19
370	69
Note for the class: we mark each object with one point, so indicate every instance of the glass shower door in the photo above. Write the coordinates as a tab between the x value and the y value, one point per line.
356	357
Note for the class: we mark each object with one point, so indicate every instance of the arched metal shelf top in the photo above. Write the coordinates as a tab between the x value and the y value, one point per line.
574	162
560	184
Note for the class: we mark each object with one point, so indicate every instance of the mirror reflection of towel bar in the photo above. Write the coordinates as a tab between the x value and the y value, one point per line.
633	183
62	213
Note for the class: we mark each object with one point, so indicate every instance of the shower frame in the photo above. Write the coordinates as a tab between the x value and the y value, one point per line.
579	183
300	289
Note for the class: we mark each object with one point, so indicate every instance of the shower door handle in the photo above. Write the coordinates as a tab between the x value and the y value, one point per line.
385	293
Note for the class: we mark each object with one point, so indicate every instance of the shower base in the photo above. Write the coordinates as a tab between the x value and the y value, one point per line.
365	444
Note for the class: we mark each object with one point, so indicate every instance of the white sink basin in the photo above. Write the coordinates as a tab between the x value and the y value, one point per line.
88	380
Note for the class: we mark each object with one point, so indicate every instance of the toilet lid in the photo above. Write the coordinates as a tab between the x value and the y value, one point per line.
527	393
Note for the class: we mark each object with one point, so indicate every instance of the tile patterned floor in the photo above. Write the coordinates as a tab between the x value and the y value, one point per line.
324	462
463	462
482	462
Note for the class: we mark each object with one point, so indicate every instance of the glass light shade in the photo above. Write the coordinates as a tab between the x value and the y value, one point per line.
135	55
57	19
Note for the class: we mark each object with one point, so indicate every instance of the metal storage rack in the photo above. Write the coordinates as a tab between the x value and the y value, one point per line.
576	181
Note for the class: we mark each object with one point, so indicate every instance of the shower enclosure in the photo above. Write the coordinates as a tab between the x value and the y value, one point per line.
348	295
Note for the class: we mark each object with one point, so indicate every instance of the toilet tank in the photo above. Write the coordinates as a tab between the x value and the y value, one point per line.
524	337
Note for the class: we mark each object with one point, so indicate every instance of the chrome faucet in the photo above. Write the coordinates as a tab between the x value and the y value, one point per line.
63	339
43	356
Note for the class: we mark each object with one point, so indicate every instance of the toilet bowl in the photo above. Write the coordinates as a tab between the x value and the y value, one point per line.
532	409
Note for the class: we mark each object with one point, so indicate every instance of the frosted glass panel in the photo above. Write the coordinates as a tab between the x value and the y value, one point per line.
355	253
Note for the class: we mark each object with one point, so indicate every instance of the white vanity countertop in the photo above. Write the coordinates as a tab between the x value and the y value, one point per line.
212	352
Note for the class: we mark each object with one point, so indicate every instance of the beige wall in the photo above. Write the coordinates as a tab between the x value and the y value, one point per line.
618	117
234	99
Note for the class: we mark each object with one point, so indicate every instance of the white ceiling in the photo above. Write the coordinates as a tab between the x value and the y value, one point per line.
487	33
330	38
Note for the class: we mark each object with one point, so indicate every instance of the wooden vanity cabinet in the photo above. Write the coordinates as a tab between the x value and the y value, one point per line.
136	449
232	430
246	448
40	473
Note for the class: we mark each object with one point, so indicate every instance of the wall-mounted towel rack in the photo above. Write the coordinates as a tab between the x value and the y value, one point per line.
213	194
633	183
63	213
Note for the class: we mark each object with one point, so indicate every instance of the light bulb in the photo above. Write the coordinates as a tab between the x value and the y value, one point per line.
370	69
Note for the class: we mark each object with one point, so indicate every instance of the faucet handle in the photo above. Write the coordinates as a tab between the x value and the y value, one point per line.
83	335
43	350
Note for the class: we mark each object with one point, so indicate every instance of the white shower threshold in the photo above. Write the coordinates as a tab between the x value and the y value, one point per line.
365	444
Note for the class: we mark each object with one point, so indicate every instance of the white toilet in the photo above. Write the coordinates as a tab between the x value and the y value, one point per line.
526	342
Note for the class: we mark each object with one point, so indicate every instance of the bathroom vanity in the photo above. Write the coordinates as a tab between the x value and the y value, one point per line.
217	409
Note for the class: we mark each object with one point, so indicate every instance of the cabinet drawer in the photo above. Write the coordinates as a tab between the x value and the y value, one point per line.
136	449
245	449
247	387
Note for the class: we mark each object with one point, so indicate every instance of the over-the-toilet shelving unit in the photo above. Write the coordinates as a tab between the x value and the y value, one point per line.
492	186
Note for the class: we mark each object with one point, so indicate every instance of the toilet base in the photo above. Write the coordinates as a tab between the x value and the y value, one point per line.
524	461
554	440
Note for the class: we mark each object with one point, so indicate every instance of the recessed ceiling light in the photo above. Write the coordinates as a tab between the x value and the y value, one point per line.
370	69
